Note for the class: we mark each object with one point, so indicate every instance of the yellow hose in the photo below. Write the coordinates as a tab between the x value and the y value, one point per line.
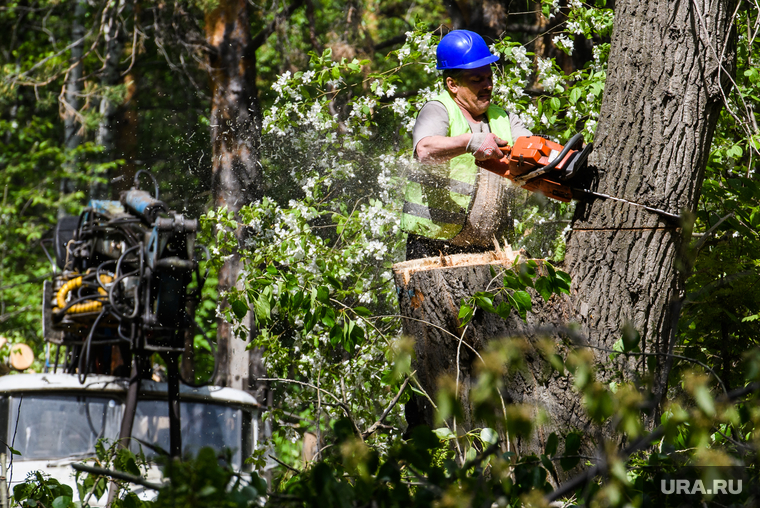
83	307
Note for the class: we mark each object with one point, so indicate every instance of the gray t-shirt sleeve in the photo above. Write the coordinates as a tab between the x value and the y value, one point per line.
518	127
433	120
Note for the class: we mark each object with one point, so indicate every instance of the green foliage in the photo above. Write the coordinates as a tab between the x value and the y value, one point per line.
513	294
723	298
206	481
40	490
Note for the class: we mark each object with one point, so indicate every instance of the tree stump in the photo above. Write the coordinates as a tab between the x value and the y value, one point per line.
430	295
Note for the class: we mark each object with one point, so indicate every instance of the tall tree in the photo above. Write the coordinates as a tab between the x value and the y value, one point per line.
111	27
668	73
71	102
235	128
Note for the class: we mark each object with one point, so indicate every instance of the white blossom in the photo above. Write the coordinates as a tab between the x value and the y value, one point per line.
564	43
399	106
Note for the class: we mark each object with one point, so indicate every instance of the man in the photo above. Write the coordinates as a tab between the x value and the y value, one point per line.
452	206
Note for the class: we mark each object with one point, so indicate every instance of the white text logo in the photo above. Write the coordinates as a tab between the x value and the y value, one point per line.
698	487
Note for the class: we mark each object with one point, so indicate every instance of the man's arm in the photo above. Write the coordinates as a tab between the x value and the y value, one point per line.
438	149
432	145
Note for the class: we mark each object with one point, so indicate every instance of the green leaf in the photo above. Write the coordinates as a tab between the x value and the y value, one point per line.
362	311
336	335
488	435
547	464
239	308
631	339
62	502
323	294
444	433
523	300
704	400
484	301
465	314
100	488
575	94
525	278
333	281
511	281
262	308
551	444
544	287
356	335
504	309
328	317
572	445
563	281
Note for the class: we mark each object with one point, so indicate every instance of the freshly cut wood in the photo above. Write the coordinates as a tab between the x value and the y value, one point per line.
504	257
431	291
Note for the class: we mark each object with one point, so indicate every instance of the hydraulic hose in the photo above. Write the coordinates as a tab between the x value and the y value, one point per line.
80	308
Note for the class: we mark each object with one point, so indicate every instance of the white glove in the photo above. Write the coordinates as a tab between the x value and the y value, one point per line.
485	146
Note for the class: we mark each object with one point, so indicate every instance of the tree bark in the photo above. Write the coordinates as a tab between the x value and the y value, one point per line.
70	109
430	294
105	136
660	108
235	131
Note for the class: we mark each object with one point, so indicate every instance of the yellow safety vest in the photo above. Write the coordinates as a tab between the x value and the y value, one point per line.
437	198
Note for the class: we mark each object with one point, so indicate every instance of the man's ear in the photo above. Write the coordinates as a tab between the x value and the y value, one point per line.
451	85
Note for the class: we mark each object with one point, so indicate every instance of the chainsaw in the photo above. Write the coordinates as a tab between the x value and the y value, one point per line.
540	165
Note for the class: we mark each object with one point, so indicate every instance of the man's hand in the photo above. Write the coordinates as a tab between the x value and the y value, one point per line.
485	146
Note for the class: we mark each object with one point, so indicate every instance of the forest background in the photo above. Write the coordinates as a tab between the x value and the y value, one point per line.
319	105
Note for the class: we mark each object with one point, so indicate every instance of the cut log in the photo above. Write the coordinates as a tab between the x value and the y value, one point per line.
431	291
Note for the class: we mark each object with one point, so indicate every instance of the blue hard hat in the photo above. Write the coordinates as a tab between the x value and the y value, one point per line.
462	49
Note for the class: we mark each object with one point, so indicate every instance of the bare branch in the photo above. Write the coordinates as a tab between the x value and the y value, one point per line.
260	38
393	402
284	465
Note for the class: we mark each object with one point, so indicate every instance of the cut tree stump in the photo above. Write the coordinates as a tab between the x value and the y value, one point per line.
430	294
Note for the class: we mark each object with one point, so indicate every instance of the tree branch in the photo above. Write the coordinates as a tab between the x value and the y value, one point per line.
284	465
118	475
261	37
393	402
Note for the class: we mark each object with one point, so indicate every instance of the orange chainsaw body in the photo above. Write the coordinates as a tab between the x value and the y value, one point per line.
531	153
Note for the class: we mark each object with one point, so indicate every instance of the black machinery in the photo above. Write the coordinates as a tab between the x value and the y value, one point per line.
120	293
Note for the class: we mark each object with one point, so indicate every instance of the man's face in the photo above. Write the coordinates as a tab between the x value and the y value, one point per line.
472	90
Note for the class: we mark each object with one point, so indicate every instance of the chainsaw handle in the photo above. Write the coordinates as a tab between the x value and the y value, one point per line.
559	158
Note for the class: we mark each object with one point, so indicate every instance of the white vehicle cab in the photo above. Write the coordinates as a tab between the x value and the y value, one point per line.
52	421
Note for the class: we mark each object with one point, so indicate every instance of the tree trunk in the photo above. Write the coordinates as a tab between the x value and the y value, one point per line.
660	108
430	294
71	105
111	28
235	130
126	127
